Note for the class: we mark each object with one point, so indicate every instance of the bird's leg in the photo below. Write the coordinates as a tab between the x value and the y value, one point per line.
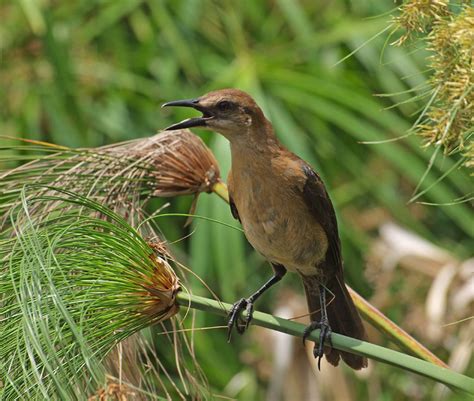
323	326
247	303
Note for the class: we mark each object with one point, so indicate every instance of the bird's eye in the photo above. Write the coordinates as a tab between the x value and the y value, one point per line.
225	105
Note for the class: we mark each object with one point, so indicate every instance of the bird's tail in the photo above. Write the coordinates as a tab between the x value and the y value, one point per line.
342	315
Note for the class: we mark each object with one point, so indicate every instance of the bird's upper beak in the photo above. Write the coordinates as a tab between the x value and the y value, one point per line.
190	122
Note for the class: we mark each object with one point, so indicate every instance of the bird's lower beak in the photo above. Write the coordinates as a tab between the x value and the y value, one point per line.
190	122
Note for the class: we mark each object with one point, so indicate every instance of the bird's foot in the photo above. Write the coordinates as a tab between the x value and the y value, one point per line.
235	320
324	335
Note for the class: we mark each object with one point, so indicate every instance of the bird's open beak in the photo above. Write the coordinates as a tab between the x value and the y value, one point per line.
190	122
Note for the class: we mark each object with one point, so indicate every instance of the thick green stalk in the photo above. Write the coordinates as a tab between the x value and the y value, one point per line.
220	189
399	336
454	380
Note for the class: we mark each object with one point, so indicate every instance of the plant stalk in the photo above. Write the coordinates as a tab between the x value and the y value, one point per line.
220	189
399	336
454	380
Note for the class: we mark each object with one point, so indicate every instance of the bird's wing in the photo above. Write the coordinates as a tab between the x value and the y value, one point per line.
233	208
317	199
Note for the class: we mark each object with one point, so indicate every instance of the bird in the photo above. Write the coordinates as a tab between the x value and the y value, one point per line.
286	215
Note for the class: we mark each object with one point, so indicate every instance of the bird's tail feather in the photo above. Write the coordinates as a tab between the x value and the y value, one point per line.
342	315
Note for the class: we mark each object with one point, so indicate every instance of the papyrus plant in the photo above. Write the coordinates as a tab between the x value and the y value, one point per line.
122	176
73	284
448	31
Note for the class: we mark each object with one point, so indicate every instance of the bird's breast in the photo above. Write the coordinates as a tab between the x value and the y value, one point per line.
278	224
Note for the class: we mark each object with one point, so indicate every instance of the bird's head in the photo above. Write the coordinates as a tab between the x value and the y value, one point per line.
230	112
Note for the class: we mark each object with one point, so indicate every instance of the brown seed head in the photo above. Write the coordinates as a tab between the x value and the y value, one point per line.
184	165
158	297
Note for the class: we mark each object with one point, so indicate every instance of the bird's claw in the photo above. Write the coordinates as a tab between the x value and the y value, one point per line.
235	320
324	335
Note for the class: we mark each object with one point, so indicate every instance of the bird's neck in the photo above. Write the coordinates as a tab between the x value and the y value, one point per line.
254	148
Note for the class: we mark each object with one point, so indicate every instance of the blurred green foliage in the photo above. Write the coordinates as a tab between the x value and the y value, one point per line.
88	73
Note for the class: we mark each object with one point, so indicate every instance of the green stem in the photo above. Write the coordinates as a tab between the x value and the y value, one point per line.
446	376
395	333
220	189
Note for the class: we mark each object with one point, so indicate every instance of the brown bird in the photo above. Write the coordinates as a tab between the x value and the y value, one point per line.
286	215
